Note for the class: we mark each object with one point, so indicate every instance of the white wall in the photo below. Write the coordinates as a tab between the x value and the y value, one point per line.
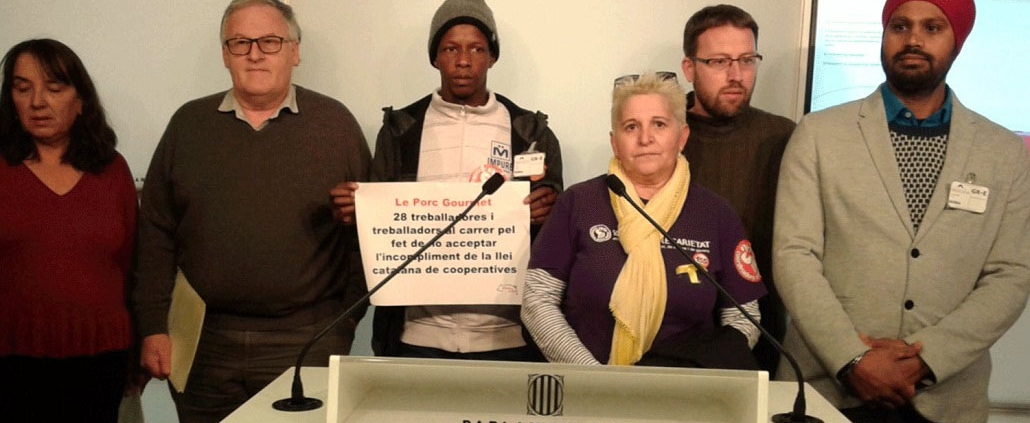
558	56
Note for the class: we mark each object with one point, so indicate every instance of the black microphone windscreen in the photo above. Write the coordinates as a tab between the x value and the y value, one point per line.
615	184
493	183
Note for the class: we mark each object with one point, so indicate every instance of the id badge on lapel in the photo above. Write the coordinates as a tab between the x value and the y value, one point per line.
530	163
968	196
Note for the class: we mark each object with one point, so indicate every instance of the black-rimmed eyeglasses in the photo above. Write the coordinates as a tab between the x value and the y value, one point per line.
269	44
723	63
662	75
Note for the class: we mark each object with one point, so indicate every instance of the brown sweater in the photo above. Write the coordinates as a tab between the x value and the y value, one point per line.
246	215
739	159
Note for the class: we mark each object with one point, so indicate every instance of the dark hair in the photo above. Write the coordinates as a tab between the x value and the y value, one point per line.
92	143
711	17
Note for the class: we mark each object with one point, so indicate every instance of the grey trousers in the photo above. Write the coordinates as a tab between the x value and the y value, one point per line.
233	365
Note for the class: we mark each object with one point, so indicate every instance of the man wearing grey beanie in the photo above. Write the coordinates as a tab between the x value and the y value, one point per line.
460	132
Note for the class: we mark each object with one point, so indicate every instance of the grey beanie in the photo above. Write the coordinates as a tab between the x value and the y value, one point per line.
456	12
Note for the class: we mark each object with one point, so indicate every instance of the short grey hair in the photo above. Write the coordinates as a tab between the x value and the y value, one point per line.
650	83
283	8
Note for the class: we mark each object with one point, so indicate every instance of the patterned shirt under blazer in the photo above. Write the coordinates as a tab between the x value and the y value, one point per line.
847	260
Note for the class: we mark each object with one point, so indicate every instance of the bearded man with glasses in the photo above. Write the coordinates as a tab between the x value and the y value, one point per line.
735	149
237	198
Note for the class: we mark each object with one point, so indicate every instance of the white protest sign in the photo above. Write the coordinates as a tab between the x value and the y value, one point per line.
482	260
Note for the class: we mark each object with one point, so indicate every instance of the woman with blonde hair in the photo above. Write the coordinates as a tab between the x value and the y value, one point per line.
604	286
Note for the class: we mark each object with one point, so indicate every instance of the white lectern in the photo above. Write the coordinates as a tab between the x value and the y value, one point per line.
364	389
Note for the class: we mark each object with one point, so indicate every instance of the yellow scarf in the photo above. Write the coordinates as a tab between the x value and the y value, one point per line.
638	300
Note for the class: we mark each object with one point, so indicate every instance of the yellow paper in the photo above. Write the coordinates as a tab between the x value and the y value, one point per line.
185	321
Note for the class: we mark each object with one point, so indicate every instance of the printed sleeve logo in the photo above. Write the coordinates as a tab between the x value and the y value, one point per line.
744	261
545	394
600	233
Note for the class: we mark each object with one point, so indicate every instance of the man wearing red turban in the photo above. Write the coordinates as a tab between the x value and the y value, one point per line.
900	243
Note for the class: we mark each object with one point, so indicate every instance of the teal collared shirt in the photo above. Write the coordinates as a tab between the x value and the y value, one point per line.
898	114
229	104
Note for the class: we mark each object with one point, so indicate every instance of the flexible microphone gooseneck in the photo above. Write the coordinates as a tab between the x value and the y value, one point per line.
297	401
796	416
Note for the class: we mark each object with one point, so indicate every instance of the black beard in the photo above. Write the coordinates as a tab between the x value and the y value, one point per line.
914	83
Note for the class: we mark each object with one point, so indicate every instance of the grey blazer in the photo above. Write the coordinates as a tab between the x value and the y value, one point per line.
846	260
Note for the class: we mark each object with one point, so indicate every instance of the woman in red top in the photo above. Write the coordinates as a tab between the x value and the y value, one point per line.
67	230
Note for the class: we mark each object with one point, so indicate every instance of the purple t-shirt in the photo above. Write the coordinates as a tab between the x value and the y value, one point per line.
579	244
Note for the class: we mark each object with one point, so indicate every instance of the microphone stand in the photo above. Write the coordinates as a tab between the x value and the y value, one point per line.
798	414
297	401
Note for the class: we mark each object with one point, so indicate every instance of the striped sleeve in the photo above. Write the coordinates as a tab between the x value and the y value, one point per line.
734	318
542	315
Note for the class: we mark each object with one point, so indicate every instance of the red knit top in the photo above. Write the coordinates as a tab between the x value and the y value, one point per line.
64	260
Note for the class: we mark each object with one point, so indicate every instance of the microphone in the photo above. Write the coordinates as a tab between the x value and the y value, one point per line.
796	416
489	187
297	401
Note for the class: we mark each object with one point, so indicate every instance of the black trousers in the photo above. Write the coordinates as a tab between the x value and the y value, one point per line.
866	414
524	353
75	389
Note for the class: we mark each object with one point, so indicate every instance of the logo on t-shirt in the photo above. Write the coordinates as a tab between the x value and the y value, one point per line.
744	261
600	233
702	259
500	155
